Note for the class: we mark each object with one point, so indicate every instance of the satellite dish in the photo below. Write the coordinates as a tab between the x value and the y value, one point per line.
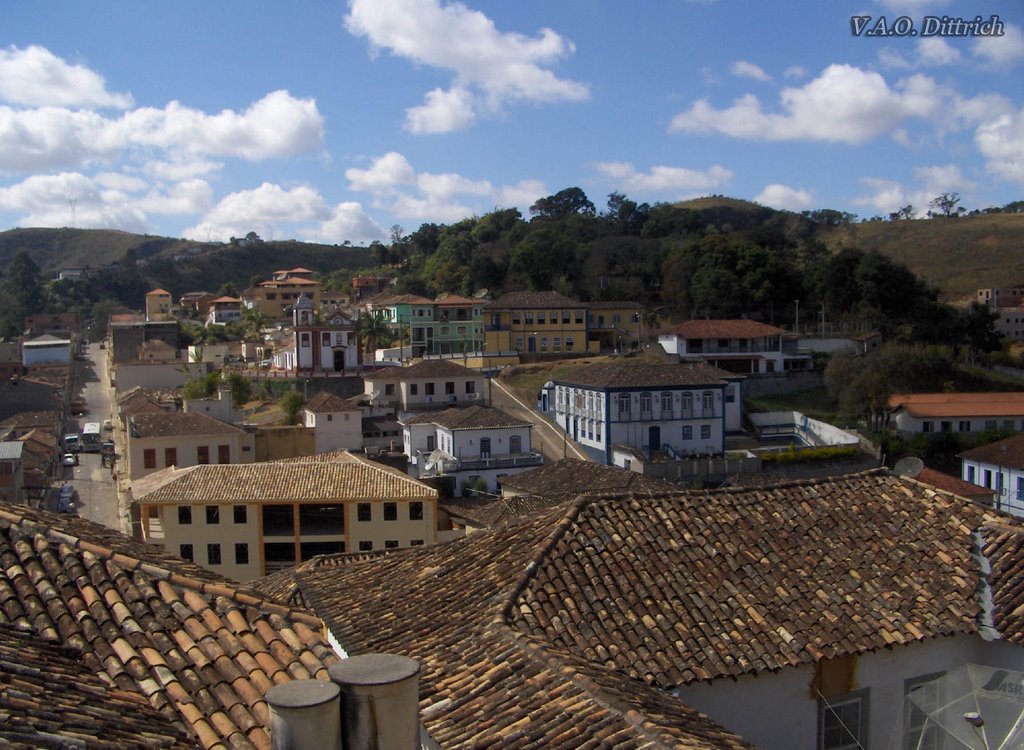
909	467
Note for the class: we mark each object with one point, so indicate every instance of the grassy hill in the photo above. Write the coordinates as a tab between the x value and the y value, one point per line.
53	249
956	255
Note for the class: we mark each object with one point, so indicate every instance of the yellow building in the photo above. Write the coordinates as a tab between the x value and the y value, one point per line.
158	440
158	304
249	521
275	297
537	323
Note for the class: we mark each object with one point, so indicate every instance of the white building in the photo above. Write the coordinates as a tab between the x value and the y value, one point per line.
957	412
428	384
224	310
477	445
681	410
337	424
743	346
999	466
317	348
46	350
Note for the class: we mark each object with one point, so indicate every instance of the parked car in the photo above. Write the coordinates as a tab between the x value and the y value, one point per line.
107	425
70	459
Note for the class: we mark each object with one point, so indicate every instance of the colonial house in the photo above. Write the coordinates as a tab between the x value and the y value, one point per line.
158	304
458	326
615	325
337	423
315	347
957	412
409	316
224	310
106	642
274	298
476	445
773	617
159	440
680	410
998	466
428	384
46	350
247	521
196	304
537	322
741	346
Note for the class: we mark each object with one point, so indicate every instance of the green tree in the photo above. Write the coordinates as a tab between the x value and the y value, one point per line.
241	389
543	256
563	204
371	330
290	404
946	204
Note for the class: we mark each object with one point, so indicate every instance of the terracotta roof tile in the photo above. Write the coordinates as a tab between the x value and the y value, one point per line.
168	424
325	401
541	300
469	418
157	627
723	329
1008	452
596	608
627	374
426	368
998	404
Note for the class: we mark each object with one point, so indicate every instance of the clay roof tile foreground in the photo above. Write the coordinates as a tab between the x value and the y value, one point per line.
147	650
584	617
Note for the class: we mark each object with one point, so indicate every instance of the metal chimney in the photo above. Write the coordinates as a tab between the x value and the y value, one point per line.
305	715
379	701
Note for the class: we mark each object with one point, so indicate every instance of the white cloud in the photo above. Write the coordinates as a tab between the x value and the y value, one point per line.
844	104
347	221
443	112
70	199
449	184
794	71
502	66
125	182
935	50
785	197
744	69
35	77
386	171
184	198
53	137
1001	142
911	7
1001	51
523	193
886	196
178	167
662	179
894	60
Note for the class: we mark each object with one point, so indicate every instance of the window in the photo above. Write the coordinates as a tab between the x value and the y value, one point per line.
390	511
213	514
918	732
305	340
579	317
705	432
363	512
325	339
203	454
485	447
687	432
515	317
390	544
213	554
946	426
428	389
414	389
470	386
970	474
1020	488
416	511
645	404
666	404
149	458
241	514
569	343
416	543
431	442
1007	424
543	343
185	552
528	317
541	317
842	722
278	520
709	400
241	553
927	426
519	343
184	515
965	425
556	343
389	389
170	456
223	454
366	546
515	444
990	424
988	478
449	387
624	406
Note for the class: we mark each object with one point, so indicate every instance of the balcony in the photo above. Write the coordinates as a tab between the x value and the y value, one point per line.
433	465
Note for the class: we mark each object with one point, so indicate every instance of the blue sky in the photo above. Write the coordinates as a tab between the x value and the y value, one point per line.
334	121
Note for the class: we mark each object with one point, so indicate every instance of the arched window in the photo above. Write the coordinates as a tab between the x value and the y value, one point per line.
515	444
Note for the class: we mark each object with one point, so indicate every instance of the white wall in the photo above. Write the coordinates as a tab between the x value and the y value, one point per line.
778	711
155	375
822	433
336	430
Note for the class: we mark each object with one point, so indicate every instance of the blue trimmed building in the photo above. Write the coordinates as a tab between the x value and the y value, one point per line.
677	410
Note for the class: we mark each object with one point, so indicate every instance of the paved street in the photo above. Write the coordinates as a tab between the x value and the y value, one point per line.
546	438
97	493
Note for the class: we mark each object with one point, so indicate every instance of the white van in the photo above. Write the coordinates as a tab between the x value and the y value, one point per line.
73	442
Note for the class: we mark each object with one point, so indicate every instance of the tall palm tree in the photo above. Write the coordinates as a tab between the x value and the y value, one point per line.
370	329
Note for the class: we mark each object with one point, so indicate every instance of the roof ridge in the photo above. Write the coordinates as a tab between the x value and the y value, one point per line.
239	592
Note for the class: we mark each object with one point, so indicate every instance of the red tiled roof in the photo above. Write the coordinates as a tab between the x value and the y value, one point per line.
628	374
723	329
166	424
1006	452
469	418
997	404
535	300
949	483
426	368
196	647
325	401
563	613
